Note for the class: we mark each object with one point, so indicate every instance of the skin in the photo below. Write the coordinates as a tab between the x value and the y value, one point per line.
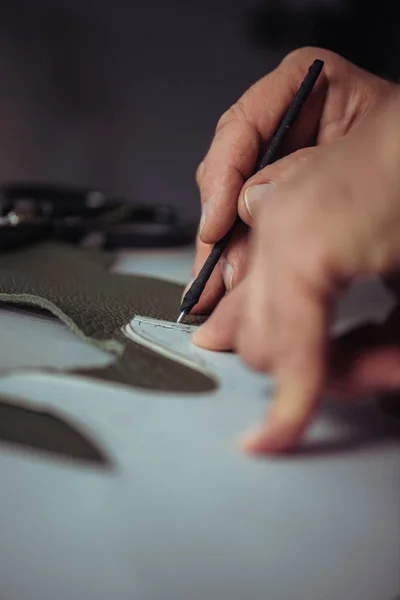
330	215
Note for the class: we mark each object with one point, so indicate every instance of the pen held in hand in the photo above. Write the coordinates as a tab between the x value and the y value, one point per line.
193	295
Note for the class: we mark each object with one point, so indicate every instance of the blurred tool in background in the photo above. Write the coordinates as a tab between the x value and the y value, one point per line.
126	94
32	212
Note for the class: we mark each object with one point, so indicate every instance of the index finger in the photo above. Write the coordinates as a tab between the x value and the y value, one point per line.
233	154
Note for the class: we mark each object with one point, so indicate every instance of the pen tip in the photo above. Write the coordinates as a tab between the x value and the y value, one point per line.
179	320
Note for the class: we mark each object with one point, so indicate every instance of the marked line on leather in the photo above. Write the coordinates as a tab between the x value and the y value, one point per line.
131	330
76	287
165	324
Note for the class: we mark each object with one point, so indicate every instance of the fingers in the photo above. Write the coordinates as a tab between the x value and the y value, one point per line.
263	185
342	95
234	262
281	323
232	157
286	331
314	230
219	331
323	227
214	289
278	322
228	273
228	164
258	190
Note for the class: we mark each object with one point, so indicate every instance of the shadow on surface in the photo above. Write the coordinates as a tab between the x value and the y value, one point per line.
362	427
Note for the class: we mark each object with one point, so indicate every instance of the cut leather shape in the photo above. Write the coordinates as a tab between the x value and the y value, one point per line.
75	286
78	290
144	368
43	431
179	478
141	330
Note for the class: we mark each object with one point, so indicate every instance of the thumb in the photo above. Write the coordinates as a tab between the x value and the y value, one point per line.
263	184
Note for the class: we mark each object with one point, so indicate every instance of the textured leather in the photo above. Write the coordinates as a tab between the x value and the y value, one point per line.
76	286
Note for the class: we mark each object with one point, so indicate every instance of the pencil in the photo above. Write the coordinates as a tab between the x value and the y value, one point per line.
193	295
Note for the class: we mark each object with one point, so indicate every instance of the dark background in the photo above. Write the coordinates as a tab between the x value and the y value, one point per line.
125	95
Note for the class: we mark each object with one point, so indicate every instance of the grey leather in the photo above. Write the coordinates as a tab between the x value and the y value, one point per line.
41	430
76	286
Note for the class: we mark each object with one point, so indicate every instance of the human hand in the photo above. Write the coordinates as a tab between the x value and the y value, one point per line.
343	95
325	223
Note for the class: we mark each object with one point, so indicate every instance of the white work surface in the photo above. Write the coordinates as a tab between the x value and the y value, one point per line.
180	514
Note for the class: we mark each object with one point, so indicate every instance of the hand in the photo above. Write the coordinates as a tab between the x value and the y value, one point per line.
318	228
343	95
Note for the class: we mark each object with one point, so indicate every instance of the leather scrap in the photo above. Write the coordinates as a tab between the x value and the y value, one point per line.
44	431
76	286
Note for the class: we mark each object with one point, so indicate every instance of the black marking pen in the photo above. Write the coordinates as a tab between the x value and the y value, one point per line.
193	295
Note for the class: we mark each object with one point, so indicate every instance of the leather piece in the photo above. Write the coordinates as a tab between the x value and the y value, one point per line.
41	430
75	285
81	292
143	368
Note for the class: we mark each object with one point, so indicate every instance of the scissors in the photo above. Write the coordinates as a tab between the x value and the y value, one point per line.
32	212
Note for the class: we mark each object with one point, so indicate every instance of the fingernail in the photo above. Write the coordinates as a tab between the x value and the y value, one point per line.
203	218
227	274
256	195
187	288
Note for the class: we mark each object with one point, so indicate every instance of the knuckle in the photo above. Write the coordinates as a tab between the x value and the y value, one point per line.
234	112
285	168
303	157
